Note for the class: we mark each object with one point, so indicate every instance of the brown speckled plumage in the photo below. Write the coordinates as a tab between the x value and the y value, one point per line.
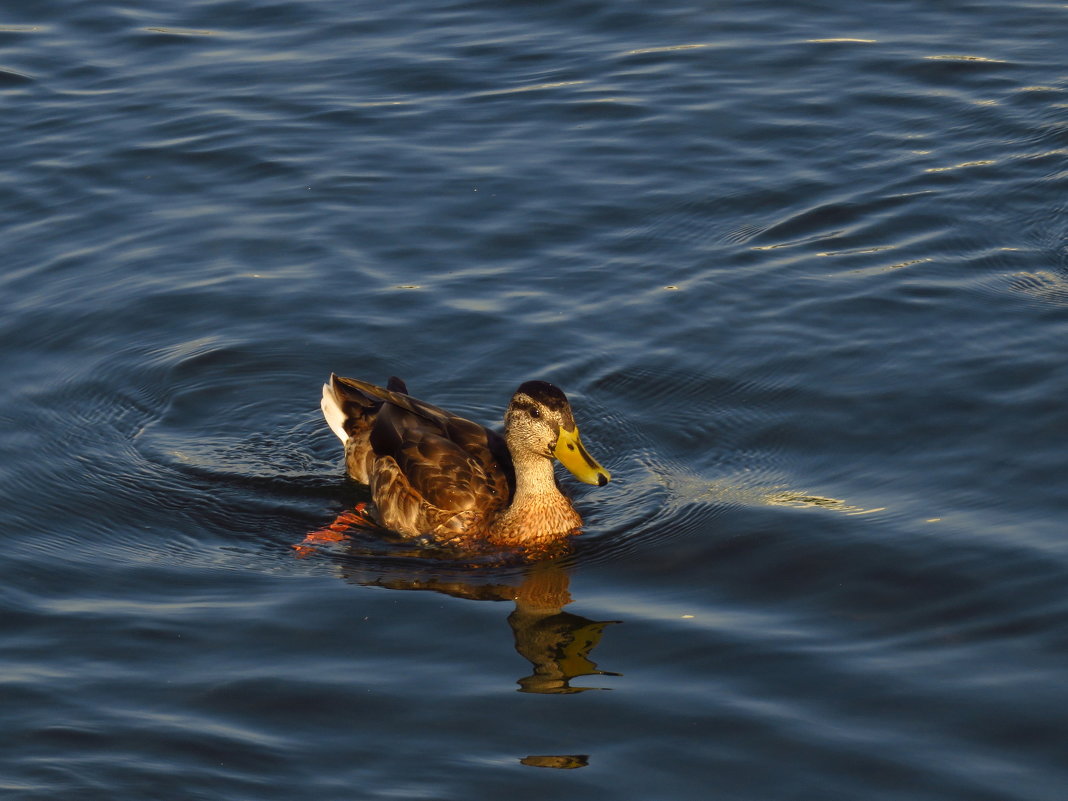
436	474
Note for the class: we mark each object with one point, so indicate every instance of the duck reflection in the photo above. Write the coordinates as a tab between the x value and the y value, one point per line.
556	643
558	761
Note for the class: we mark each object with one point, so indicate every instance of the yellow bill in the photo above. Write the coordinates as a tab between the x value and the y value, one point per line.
574	456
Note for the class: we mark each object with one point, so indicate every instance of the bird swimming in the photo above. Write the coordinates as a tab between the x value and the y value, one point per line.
435	474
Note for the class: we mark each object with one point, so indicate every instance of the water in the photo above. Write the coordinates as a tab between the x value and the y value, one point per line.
803	271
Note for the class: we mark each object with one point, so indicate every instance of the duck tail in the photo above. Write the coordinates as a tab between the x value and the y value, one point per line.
334	409
350	407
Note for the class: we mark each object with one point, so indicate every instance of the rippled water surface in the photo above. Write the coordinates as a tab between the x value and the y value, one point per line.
801	268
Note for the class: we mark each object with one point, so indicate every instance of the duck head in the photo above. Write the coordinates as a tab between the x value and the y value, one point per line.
539	421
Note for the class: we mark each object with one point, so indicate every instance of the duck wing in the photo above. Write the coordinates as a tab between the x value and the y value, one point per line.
429	470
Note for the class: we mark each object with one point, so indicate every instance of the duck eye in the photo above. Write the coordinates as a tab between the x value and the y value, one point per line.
535	412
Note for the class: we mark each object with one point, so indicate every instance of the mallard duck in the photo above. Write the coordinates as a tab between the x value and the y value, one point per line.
436	474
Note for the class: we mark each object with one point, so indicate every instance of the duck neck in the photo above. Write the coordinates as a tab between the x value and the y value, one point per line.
534	478
539	512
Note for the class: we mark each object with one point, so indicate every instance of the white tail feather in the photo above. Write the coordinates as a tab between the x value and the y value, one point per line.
335	418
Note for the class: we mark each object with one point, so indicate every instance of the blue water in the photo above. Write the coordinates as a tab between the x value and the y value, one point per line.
801	268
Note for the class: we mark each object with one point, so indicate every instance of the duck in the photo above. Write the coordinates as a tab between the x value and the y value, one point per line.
437	475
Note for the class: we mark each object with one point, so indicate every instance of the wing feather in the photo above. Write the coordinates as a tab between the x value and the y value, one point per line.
427	468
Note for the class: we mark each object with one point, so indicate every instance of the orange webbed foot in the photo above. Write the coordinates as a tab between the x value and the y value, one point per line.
335	532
